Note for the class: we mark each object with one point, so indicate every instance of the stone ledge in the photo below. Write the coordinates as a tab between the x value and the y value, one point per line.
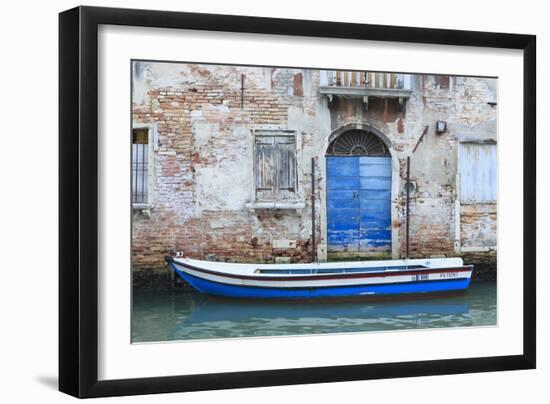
276	205
477	249
365	91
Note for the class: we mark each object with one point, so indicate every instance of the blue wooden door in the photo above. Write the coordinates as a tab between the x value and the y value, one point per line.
358	204
343	207
375	204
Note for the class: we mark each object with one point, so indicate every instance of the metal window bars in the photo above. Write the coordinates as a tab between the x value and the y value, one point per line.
140	166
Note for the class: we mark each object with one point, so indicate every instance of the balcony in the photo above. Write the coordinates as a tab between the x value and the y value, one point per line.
365	84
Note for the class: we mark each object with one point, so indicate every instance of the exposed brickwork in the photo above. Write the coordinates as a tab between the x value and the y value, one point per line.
176	224
299	84
478	225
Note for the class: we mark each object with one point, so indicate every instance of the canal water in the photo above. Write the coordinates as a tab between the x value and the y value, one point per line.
187	315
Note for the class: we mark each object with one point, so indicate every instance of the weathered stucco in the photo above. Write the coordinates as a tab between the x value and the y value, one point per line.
205	118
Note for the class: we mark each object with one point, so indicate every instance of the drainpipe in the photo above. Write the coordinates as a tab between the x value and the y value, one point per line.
313	241
408	201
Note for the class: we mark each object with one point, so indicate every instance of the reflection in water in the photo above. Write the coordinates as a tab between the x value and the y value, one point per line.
183	315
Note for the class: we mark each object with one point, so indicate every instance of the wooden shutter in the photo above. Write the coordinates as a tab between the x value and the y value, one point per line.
264	166
478	172
275	167
285	161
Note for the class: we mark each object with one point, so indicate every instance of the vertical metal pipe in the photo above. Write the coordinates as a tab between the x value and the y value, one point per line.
242	91
407	186
134	176
313	241
144	180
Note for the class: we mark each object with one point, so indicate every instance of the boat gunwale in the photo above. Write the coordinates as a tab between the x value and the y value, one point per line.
320	276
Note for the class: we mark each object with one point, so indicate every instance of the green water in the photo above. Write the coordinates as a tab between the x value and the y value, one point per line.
184	315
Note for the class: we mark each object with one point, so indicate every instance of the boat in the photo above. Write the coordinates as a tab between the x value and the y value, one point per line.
359	279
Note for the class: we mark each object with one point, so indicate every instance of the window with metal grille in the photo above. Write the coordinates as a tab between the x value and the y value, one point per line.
275	166
478	172
357	143
140	166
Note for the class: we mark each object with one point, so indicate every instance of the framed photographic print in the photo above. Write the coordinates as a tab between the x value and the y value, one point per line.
251	201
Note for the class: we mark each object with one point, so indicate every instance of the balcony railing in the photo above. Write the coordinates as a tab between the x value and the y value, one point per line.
365	83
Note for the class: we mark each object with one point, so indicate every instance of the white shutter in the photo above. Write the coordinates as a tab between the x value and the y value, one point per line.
478	172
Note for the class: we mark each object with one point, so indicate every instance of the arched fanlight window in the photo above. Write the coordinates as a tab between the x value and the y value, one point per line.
357	143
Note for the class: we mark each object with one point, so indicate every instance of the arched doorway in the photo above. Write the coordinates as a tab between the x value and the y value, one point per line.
359	183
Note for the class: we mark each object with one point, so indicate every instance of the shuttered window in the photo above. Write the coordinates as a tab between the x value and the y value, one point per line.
275	166
478	172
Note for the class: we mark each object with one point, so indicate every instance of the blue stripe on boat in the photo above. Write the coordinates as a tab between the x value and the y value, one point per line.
222	289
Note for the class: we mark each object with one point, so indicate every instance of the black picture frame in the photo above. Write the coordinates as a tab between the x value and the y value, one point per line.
78	200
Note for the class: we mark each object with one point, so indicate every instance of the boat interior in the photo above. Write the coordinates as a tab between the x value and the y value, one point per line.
308	271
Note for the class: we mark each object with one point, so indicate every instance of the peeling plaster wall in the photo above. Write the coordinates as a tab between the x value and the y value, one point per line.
204	160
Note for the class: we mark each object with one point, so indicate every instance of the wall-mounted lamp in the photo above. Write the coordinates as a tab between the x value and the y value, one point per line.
440	127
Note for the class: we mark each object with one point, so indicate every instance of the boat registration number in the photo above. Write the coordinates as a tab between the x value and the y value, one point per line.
425	277
448	275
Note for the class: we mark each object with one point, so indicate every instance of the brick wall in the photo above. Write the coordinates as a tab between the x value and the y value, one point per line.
202	124
478	225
